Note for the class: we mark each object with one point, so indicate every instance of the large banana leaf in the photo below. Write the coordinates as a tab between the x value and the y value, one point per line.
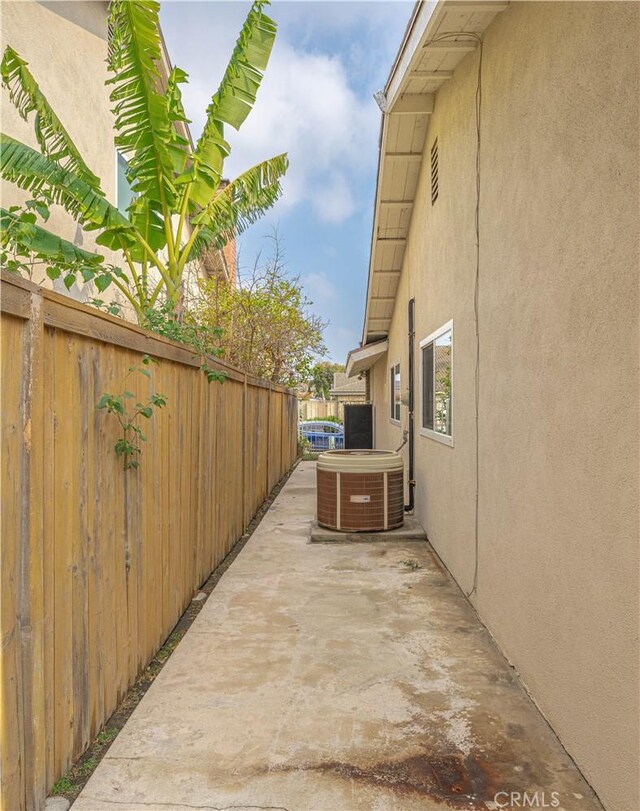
238	205
142	122
174	95
31	238
233	101
146	216
53	138
32	171
236	95
179	146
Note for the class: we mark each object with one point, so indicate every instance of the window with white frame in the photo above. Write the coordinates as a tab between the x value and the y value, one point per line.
436	365
394	392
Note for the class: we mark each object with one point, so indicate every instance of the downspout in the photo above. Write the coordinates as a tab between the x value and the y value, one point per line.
411	338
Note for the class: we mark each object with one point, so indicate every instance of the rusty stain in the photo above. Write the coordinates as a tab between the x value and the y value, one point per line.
458	781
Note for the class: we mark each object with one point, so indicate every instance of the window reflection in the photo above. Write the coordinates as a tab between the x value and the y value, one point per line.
442	383
125	195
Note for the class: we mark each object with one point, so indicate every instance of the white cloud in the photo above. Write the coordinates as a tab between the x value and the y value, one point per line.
305	107
343	340
319	287
334	201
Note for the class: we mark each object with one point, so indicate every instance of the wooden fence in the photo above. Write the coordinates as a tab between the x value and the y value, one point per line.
98	563
319	409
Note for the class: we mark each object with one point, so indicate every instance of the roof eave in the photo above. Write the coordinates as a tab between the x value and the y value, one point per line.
421	15
363	358
435	27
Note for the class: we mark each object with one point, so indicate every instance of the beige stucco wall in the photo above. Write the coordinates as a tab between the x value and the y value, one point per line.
558	510
66	47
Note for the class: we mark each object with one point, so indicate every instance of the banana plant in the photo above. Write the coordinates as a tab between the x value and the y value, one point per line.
180	206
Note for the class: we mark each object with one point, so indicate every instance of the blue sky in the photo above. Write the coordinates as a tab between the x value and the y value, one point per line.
316	103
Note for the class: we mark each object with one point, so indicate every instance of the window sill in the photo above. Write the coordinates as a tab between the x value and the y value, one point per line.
395	422
442	438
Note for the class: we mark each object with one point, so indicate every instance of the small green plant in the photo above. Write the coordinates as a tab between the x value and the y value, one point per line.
106	736
63	786
72	782
304	450
18	228
169	646
412	564
160	320
112	307
86	767
128	446
200	337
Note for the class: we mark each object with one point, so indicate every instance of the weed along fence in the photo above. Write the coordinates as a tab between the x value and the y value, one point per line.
98	563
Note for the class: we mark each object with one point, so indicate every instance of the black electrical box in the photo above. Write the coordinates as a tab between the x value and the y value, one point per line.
358	427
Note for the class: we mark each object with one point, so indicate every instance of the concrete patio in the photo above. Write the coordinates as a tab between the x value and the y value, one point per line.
331	677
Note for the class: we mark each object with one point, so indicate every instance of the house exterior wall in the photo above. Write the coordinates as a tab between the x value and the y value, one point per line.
231	258
558	567
65	44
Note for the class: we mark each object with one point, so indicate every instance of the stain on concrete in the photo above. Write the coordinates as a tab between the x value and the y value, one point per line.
460	782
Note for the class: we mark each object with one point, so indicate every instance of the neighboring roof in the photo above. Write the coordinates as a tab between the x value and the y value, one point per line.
342	385
420	68
363	358
339	379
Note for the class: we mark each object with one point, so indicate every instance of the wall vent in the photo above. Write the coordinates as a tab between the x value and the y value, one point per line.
434	172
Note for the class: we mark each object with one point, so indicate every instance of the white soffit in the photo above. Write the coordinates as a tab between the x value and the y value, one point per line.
418	73
359	360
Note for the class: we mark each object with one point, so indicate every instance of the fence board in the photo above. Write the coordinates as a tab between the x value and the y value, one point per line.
99	563
12	716
48	534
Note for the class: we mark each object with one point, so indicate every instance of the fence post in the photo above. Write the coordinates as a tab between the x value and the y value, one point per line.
283	432
244	454
31	603
268	439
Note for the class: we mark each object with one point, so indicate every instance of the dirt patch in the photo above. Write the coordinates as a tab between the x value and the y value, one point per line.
75	779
